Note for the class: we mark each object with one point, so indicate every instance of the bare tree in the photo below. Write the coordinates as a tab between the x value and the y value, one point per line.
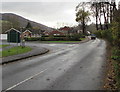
105	9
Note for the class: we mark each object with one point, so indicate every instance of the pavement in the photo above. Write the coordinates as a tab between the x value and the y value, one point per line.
65	67
34	52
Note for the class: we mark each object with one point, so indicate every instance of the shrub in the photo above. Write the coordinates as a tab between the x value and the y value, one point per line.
32	39
105	34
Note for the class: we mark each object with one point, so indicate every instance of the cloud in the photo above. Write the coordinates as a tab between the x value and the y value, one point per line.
43	12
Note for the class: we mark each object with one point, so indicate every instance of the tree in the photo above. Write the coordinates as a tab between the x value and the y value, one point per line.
116	28
105	9
82	16
29	26
91	28
95	9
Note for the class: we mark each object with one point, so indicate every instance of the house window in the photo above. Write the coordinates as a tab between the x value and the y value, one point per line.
25	35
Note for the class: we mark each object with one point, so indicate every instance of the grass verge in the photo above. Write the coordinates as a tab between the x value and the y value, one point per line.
59	41
1	46
14	51
116	64
82	39
113	68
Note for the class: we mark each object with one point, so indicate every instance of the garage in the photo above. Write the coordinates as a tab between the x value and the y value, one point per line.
13	35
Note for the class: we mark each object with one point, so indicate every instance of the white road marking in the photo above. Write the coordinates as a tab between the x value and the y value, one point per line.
25	80
52	44
71	45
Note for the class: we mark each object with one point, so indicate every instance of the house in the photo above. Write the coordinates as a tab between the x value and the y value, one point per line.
3	36
79	31
36	33
13	35
66	30
56	33
26	33
46	33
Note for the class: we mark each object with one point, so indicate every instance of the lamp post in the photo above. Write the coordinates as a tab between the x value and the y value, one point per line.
22	37
17	40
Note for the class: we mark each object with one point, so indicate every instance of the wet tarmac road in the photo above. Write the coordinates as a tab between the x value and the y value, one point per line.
65	67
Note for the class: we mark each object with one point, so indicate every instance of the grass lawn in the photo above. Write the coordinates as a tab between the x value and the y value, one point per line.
5	45
14	51
59	41
82	39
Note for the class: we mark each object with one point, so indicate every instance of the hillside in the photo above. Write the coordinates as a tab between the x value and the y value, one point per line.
10	17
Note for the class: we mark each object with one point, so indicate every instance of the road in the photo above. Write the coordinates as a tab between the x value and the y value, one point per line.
65	67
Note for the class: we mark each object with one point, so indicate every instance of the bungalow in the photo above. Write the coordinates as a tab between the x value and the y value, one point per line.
26	33
46	33
66	30
79	31
56	33
36	33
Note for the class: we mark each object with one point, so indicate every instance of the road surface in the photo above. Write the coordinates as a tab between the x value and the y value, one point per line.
65	67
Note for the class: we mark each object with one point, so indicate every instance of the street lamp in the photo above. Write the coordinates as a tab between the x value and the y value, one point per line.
22	37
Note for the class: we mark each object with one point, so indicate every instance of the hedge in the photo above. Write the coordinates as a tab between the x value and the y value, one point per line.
55	38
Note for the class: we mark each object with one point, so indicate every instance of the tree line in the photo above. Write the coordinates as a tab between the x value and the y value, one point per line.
102	11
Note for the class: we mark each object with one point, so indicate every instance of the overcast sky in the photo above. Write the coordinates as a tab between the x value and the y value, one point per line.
52	14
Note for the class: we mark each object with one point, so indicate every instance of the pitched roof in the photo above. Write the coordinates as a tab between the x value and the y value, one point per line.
27	30
65	28
56	32
46	32
13	29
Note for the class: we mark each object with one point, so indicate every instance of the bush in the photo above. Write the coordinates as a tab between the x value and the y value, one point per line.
105	34
75	37
45	35
42	38
59	35
32	39
98	34
116	54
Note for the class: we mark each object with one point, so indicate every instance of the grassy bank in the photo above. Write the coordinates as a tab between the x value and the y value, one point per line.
14	51
116	64
113	39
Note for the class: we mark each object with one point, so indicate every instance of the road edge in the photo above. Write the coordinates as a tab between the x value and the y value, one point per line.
20	58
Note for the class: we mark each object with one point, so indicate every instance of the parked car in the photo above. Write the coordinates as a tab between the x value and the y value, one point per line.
93	36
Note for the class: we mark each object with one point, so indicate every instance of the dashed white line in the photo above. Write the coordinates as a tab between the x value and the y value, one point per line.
52	44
